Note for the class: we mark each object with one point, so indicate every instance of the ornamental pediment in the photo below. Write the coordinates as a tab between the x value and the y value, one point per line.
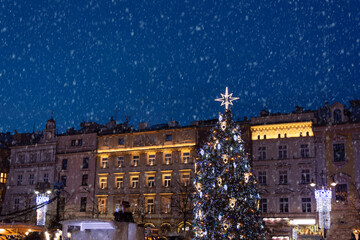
283	191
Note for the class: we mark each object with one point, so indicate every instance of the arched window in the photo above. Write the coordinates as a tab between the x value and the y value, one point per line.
337	116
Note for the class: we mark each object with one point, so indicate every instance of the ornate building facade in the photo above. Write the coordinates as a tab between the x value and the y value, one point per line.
151	169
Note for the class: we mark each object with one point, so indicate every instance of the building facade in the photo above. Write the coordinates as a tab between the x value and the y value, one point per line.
151	169
338	151
284	162
32	164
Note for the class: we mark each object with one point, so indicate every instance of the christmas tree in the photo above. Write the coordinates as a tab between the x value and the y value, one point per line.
226	198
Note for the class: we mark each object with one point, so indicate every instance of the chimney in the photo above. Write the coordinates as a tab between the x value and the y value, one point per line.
143	126
173	124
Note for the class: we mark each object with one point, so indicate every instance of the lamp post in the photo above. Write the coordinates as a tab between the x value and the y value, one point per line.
42	191
323	197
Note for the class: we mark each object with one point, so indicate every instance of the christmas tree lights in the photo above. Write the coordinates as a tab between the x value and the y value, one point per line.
226	197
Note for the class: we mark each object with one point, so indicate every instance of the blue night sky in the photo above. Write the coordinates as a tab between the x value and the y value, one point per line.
162	60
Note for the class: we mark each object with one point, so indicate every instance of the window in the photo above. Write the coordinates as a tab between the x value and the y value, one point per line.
264	137
305	176
185	179
167	158
168	137
339	152
304	150
263	205
21	158
166	204
104	163
103	182
135	161
167	180
63	180
283	178
80	142
306	205
262	153
134	181
31	179
121	141
262	178
85	163
102	205
48	157
73	143
119	182
64	164
186	157
284	205
151	181
3	177
84	180
120	162
150	205
341	193
151	159
83	204
46	177
17	204
337	116
282	152
19	180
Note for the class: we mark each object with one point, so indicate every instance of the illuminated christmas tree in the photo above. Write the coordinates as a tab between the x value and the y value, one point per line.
226	196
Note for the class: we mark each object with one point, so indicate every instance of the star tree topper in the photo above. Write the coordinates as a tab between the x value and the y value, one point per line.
226	99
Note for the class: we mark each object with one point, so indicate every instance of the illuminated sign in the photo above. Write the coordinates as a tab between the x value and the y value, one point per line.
323	206
41	212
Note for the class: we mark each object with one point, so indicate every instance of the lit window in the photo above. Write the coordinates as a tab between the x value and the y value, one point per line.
263	205
102	205
104	163
304	150
120	162
135	161
283	178
85	163
262	153
167	180
305	176
84	180
339	152
284	205
134	181
3	177
167	158
283	152
185	179
166	204
83	204
262	178
103	182
150	205
306	205
151	159
119	182
151	181
186	157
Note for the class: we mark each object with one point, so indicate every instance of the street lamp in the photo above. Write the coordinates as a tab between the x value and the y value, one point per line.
323	203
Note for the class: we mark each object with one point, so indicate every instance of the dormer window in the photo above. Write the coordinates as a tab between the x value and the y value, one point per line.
337	116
